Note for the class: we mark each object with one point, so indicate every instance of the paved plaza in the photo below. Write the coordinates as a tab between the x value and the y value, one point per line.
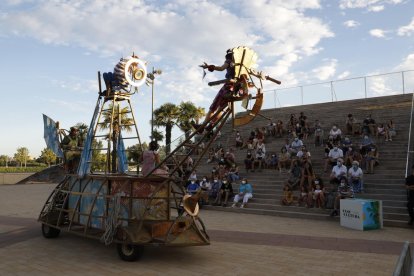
241	244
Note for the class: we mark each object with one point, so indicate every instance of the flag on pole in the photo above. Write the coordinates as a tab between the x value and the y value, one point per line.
51	136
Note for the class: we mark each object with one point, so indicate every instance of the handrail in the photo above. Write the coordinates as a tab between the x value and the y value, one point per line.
339	80
404	263
409	137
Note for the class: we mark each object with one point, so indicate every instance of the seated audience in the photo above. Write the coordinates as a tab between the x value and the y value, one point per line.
245	193
226	191
215	188
339	171
239	140
334	154
295	175
371	160
248	162
193	187
279	128
381	131
336	133
205	187
284	160
390	131
273	162
368	126
307	175
260	155
352	155
287	198
233	174
344	191
355	175
366	144
295	146
271	128
318	195
303	198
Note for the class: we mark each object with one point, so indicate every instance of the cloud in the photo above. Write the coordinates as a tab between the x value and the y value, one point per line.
343	75
351	24
326	71
377	33
177	34
406	64
407	30
370	5
376	8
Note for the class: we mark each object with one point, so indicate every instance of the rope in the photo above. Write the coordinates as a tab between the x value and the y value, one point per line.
112	223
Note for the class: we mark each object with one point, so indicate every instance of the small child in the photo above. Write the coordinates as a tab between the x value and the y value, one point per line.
287	198
318	196
303	196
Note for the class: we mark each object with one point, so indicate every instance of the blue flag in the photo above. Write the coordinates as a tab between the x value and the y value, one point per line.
51	136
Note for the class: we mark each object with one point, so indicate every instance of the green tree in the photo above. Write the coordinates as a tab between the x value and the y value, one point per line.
157	135
118	120
98	158
48	156
82	131
22	156
187	113
166	116
4	160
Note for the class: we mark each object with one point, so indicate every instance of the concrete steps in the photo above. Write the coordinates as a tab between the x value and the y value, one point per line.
386	184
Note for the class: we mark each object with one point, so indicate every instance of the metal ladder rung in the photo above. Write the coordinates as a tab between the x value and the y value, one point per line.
100	136
129	137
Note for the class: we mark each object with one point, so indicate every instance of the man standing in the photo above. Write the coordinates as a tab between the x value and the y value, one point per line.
71	150
409	185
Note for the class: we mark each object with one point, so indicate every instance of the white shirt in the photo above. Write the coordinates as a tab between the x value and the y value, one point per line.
335	132
339	171
335	154
300	154
297	144
357	173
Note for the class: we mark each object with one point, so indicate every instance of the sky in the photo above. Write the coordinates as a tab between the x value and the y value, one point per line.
51	51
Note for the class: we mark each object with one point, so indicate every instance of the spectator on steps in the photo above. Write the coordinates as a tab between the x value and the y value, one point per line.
307	175
346	143
225	192
234	173
336	133
303	198
295	146
303	155
339	171
318	196
352	155
371	160
248	162
193	187
366	144
271	128
273	162
318	133
350	121
229	158
287	145
284	160
205	187
368	126
279	128
390	130
381	131
344	191
287	198
260	155
245	193
355	175
295	175
239	140
334	154
215	188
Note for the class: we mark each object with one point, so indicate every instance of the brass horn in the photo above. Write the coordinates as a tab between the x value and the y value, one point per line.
190	204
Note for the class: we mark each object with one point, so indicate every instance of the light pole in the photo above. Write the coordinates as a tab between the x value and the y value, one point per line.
151	79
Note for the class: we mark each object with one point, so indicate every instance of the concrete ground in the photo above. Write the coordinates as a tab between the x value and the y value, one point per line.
241	244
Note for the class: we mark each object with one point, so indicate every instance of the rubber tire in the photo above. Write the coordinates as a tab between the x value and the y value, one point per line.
50	232
129	252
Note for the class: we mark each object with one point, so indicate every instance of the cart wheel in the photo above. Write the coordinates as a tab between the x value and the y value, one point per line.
50	232
129	252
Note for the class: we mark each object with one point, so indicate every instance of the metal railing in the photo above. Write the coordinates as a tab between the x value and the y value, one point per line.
342	89
409	151
404	265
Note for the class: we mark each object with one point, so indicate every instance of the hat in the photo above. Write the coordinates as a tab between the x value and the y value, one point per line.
355	163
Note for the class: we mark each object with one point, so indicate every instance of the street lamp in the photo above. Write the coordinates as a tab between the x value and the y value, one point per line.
150	80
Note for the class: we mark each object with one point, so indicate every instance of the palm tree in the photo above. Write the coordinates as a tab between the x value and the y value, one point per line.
166	116
187	113
120	121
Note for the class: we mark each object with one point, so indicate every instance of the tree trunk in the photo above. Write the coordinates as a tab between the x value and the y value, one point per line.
168	130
